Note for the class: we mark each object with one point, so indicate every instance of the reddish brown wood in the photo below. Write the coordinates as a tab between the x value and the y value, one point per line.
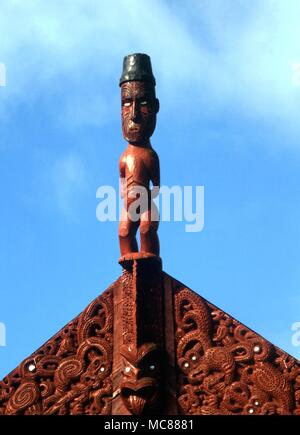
139	164
118	407
70	373
169	405
225	368
209	362
142	335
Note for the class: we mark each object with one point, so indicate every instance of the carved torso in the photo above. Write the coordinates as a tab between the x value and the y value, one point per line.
139	166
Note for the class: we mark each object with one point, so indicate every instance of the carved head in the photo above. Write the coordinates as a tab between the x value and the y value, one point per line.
140	387
139	109
139	103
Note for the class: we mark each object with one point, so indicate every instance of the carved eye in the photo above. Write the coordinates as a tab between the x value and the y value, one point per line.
126	104
144	103
127	369
152	367
31	367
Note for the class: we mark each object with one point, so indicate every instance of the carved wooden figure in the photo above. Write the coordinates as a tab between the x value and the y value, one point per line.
139	164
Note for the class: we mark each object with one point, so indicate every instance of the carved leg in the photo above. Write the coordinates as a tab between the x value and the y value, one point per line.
148	233
127	234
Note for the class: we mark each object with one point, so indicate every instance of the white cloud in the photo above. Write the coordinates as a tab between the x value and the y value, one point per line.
208	54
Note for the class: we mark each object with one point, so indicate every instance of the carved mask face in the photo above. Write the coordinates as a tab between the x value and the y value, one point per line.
140	387
139	109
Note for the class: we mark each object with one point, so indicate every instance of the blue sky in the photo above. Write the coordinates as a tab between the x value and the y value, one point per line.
229	120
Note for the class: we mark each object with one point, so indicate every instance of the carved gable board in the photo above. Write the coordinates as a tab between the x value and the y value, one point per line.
70	373
213	364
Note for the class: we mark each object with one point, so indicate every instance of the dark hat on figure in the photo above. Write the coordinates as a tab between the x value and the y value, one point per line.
137	66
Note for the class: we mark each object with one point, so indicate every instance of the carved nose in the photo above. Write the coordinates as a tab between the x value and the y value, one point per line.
136	373
134	111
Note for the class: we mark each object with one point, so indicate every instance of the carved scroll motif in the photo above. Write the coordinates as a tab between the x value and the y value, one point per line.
70	374
225	368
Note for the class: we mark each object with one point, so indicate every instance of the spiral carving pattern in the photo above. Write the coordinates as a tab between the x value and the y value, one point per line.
225	368
69	374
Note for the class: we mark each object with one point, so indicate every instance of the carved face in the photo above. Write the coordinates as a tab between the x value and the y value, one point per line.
139	109
140	387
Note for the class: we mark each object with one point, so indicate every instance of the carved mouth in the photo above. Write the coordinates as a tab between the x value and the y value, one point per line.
139	398
135	129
